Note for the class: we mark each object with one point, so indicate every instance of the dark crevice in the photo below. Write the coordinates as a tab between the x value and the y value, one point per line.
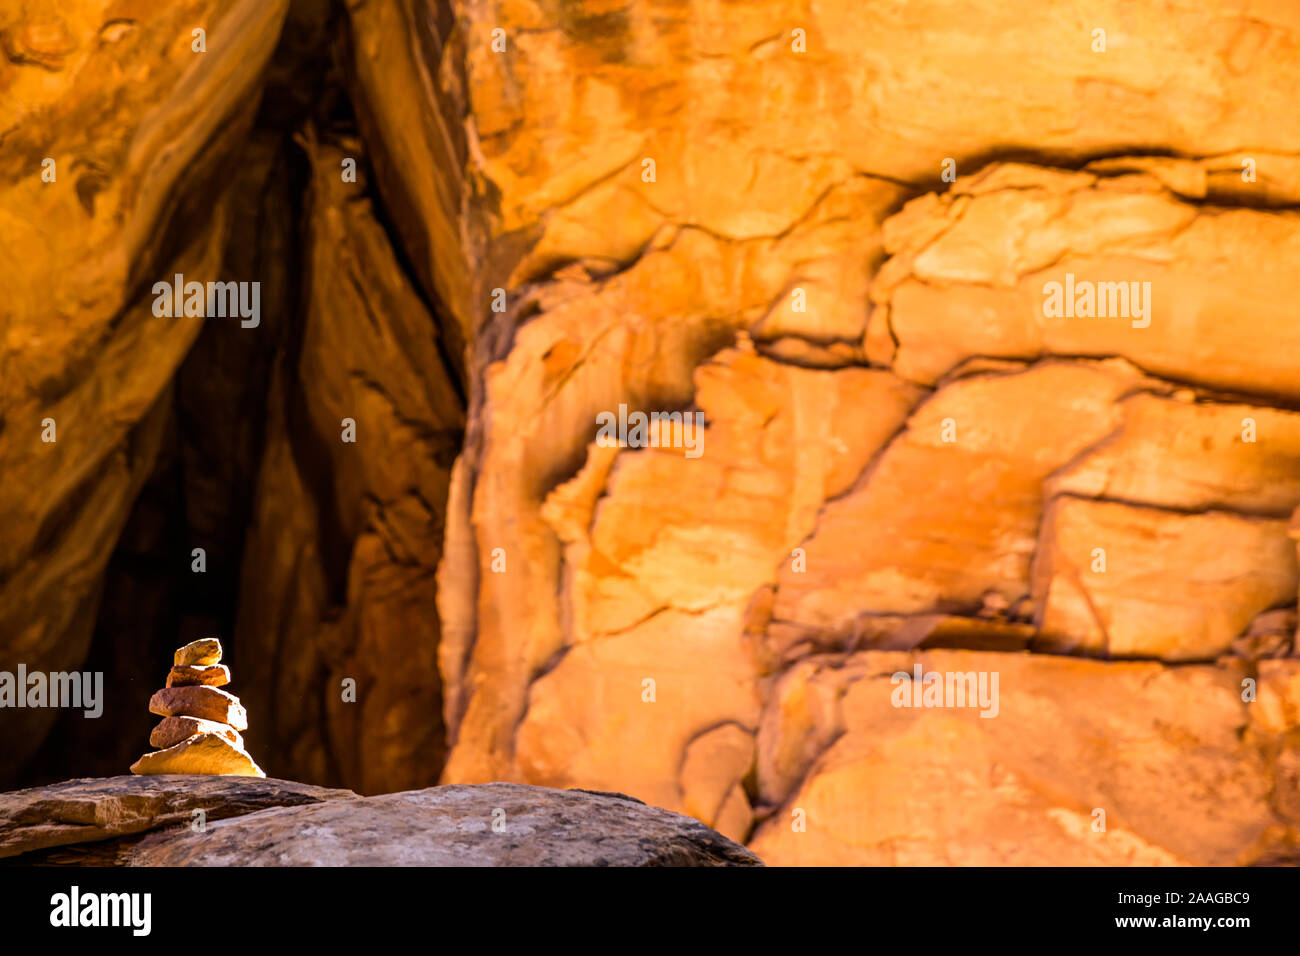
201	491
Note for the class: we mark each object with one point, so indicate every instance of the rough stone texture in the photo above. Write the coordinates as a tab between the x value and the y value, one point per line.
650	595
622	566
1173	586
985	443
199	493
207	703
140	129
148	821
902	450
987	246
201	653
212	753
89	810
345	537
212	676
453	826
622	315
405	72
172	730
1185	771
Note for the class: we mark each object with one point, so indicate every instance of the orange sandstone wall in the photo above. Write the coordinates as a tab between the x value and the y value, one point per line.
989	311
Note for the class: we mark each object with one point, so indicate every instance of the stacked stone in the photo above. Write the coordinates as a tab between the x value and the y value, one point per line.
201	722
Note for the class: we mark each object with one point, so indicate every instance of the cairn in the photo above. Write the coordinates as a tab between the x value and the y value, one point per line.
201	722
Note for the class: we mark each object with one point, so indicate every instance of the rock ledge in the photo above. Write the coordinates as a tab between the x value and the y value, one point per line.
132	821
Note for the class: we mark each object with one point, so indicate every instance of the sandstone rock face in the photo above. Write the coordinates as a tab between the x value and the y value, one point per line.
906	446
946	786
138	127
991	334
346	535
992	244
1174	586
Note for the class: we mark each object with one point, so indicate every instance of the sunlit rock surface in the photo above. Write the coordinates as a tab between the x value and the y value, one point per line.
871	783
944	524
346	535
732	210
139	128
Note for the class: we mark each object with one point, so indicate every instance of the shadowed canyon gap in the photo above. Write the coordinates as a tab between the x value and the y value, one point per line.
738	209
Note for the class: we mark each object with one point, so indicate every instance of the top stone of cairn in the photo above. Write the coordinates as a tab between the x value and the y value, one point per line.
200	653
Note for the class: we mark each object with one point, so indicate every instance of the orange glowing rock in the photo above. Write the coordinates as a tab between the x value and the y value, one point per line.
200	732
216	675
200	653
172	730
201	754
210	703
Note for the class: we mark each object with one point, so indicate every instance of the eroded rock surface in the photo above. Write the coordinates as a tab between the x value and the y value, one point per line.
736	211
861	781
496	824
138	127
96	809
902	446
346	533
256	823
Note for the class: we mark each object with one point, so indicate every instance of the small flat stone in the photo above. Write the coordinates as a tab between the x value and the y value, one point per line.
209	703
172	730
202	754
202	652
186	675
